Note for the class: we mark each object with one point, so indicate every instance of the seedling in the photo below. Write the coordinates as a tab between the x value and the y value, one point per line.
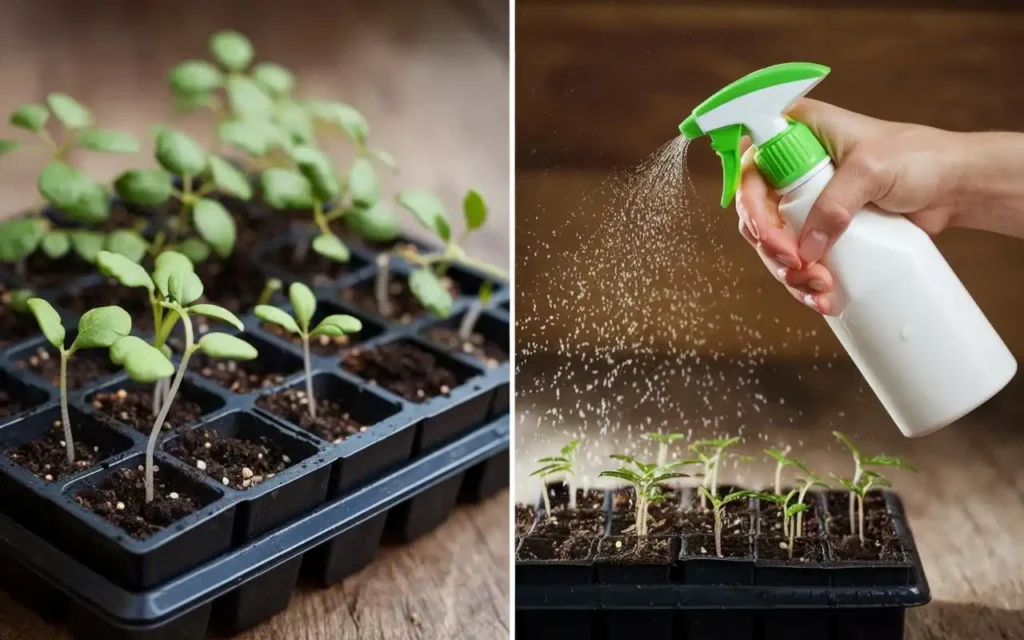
180	155
472	315
80	197
304	307
861	463
663	440
718	504
646	481
789	511
868	480
563	463
711	454
781	462
272	286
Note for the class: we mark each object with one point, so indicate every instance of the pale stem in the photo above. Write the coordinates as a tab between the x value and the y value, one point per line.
64	417
714	474
860	503
638	524
643	516
857	471
155	433
705	483
792	532
718	531
469	322
800	516
785	520
778	478
309	375
381	285
547	501
572	493
662	453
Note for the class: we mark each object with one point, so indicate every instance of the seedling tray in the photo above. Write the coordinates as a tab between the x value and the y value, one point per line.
685	592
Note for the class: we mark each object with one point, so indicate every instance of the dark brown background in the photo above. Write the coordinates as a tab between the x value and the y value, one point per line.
432	78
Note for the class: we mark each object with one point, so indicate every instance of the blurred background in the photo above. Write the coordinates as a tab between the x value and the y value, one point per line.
639	307
432	78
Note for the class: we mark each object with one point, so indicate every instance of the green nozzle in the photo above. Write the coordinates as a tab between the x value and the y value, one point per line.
690	129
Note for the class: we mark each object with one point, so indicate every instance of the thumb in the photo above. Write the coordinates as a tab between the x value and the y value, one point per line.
854	185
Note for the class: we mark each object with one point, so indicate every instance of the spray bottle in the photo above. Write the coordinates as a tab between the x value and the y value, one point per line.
901	313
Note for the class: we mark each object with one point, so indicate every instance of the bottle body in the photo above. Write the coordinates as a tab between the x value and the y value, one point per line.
908	323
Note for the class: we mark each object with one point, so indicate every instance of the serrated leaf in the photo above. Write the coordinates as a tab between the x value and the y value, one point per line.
274	78
87	244
180	154
74	192
273	315
431	292
331	247
108	141
247	99
32	117
69	111
319	171
428	210
379	223
227	347
345	116
7	146
217	313
49	321
337	325
229	179
142	361
184	288
194	249
231	49
286	189
195	77
146	187
215	225
126	271
303	304
128	244
474	209
100	328
254	137
363	184
55	244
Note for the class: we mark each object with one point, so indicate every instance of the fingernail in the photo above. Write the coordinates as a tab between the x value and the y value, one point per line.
818	285
788	260
813	246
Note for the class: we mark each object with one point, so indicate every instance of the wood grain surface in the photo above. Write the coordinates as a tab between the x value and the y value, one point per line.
432	78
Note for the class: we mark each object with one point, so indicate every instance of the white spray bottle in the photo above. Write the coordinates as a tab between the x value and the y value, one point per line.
901	313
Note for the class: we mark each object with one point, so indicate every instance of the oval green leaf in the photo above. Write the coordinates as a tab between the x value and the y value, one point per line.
227	347
55	244
229	179
431	292
146	187
274	78
273	315
32	117
319	170
82	198
7	146
363	184
195	77
474	209
128	244
303	304
180	154
351	121
248	100
428	210
254	137
142	362
108	141
231	49
19	238
286	189
49	321
195	250
215	225
331	247
217	313
87	244
379	223
296	122
338	325
184	287
102	327
69	111
126	271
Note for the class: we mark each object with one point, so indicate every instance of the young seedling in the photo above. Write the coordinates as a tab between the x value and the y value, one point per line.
718	504
781	462
98	329
272	286
563	463
472	315
646	480
804	485
81	198
304	307
861	463
711	454
868	480
180	155
663	440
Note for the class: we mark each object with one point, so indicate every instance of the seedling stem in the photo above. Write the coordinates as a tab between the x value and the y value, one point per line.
718	504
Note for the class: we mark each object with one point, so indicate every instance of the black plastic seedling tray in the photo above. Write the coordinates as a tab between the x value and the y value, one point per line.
236	560
680	592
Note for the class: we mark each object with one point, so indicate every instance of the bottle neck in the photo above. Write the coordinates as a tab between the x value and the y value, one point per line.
825	164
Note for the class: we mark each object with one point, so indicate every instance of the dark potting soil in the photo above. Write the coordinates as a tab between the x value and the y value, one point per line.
133	300
635	550
772	519
777	548
85	367
47	457
14	326
232	283
403	369
121	499
239	377
42	273
234	462
850	549
11	405
591	500
568	522
877	521
134	407
332	423
525	517
404	306
487	351
320	345
312	268
578	546
667	518
703	545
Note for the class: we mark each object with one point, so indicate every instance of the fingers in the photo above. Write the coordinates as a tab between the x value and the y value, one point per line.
757	206
798	281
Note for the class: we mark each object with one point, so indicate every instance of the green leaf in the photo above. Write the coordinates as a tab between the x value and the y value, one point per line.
194	249
330	246
167	264
180	154
319	171
56	244
74	192
142	361
228	347
108	141
215	225
49	321
87	244
385	158
275	79
7	146
286	189
217	313
428	210
32	117
475	210
195	77
229	179
337	325
342	115
273	315
20	298
846	441
127	243
146	187
296	122
303	304
254	137
184	288
795	509
484	296
101	328
186	102
887	461
69	111
231	49
248	100
379	223
362	183
126	271
431	292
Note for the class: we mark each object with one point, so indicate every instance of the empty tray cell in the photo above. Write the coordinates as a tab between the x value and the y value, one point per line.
270	369
487	344
131	404
18	397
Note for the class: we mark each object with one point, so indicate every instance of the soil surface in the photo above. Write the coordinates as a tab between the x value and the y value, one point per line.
320	345
133	300
11	405
332	423
525	517
47	457
312	268
85	367
233	283
121	499
635	550
576	547
567	523
134	407
239	377
676	515
403	369
777	548
234	462
850	548
14	326
42	273
877	520
703	545
772	519
404	306
489	352
558	495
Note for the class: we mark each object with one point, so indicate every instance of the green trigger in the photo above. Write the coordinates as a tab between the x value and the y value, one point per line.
726	142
